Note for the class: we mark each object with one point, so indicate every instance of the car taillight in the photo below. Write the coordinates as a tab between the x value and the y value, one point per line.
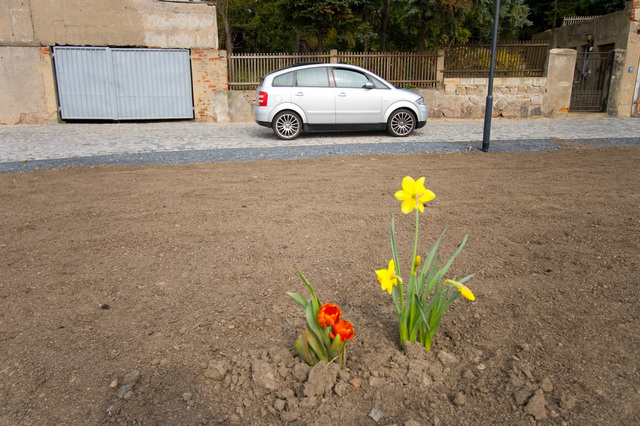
262	98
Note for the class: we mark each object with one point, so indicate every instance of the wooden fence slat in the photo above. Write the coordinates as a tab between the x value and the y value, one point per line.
519	58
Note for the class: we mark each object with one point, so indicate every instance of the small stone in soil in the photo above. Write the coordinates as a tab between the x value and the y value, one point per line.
521	396
375	414
309	402
460	399
567	402
264	376
340	388
535	406
322	378
289	416
447	359
546	385
301	371
132	378
216	371
279	404
123	391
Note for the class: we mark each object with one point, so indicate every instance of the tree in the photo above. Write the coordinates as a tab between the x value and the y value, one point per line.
222	8
384	21
318	15
438	21
513	18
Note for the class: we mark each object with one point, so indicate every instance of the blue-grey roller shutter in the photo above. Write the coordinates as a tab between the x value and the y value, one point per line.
123	84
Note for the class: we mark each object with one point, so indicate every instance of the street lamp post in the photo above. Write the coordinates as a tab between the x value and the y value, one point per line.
489	103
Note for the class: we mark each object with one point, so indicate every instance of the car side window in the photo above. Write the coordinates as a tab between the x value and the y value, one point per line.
312	77
379	84
284	80
349	78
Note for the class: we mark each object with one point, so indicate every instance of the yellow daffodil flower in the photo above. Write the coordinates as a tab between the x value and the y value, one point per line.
388	277
413	194
463	289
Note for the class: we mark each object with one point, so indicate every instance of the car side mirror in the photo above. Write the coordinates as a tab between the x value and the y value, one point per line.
369	85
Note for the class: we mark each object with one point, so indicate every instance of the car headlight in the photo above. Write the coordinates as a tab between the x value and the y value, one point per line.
420	101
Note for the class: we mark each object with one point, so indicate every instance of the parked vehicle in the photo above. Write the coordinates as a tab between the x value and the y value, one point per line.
316	97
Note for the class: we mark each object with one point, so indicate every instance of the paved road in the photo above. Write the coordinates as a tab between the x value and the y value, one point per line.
24	148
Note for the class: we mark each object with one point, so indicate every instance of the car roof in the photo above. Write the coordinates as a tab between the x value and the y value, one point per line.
318	65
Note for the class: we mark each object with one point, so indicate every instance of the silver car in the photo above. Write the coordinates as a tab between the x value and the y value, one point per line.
316	97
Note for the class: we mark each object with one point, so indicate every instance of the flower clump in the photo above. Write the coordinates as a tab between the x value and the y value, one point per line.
326	334
419	313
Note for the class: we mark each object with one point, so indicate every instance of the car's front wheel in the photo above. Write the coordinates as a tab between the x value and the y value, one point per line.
287	125
401	123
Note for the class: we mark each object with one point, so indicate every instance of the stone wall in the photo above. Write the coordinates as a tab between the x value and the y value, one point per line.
27	91
142	23
465	97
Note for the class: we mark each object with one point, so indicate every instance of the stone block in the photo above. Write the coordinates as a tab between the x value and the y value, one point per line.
450	89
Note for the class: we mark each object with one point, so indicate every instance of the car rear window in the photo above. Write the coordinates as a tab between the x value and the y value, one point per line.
284	80
313	77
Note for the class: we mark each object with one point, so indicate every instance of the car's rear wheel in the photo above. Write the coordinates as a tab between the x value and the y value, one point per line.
287	125
401	123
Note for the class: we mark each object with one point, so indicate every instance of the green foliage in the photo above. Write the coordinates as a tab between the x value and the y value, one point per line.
265	26
549	14
513	18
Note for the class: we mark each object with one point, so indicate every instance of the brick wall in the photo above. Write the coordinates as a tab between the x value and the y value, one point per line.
209	74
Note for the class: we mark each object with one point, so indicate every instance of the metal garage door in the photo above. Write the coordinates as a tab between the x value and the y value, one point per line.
123	84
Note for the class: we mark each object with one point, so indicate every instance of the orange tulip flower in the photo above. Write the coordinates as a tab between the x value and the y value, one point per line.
328	315
343	329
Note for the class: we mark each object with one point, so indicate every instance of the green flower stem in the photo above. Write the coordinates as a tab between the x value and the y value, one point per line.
414	267
415	245
427	343
404	332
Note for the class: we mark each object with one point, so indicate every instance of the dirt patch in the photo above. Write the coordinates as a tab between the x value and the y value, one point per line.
569	144
156	294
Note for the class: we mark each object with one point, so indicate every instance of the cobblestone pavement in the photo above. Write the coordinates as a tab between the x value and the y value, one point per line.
69	141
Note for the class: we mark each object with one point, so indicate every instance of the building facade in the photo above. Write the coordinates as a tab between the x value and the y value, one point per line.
616	36
58	57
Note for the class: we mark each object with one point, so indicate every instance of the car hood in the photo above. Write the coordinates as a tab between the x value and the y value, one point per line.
409	94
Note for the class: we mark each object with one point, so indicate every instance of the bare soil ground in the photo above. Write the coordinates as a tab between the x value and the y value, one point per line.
156	294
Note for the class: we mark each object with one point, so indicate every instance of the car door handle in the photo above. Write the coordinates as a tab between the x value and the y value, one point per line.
343	95
299	94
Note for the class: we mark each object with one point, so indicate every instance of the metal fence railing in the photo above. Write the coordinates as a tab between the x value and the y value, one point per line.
514	59
571	20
